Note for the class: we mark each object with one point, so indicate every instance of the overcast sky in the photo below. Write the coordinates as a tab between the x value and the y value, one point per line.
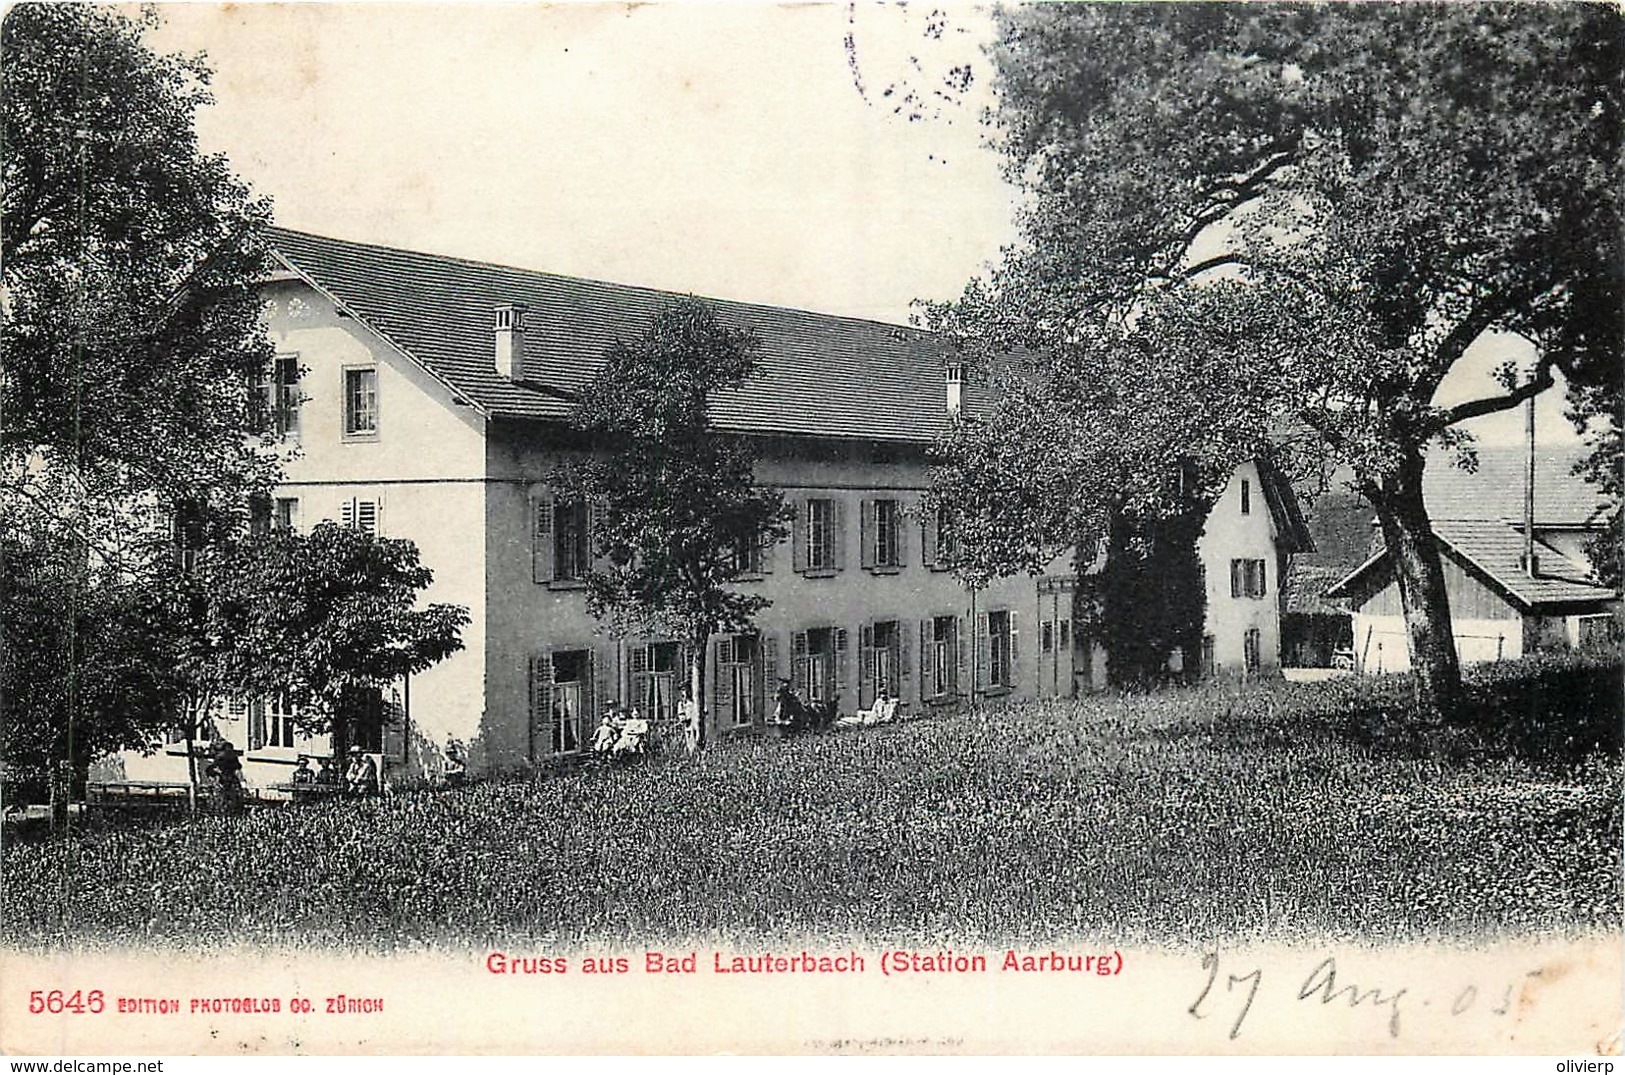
738	150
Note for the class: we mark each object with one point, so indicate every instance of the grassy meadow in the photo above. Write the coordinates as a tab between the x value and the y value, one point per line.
1220	812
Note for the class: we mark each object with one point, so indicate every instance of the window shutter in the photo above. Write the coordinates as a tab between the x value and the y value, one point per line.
799	526
770	671
900	528
541	537
798	663
394	737
256	724
928	538
1015	650
961	656
541	704
637	660
867	531
766	555
722	682
838	560
366	516
841	672
1263	586
927	659
905	663
347	514
984	653
866	664
1235	578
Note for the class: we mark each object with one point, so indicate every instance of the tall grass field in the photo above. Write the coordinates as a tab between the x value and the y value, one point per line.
1265	810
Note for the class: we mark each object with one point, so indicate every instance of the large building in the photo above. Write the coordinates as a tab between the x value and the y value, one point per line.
427	397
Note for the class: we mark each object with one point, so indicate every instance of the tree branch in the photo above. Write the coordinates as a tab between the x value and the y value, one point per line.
1477	408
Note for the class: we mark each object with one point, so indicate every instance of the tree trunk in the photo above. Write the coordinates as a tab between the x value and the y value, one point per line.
1419	572
699	639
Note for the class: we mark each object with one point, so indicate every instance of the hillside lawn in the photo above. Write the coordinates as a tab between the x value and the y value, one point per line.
1193	815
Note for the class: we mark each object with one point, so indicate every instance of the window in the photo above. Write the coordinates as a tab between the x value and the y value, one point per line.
1246	497
360	513
821	535
571	552
286	513
747	557
560	701
1001	647
1046	637
277	398
1597	631
939	657
1066	636
1247	578
361	402
939	544
883	661
1252	650
882	534
188	534
818	663
657	671
259	514
736	695
1210	662
270	722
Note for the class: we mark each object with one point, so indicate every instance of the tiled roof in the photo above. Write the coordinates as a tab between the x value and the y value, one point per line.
1495	489
822	375
1495	549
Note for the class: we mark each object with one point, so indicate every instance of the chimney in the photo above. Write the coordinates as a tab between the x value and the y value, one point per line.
510	340
953	379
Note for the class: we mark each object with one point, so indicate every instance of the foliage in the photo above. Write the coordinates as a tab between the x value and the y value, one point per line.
1310	212
312	616
675	502
130	332
1271	810
1149	598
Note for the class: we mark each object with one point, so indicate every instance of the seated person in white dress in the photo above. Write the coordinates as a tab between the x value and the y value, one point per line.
884	711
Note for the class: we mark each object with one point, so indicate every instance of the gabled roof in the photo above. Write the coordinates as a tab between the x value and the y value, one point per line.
1284	509
1494	551
1495	490
822	375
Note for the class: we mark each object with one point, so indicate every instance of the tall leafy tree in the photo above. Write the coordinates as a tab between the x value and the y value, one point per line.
1340	200
677	511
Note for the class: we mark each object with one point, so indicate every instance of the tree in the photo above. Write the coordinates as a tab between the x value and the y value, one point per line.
1341	199
313	618
677	514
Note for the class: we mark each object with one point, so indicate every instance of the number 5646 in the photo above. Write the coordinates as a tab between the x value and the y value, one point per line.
56	1002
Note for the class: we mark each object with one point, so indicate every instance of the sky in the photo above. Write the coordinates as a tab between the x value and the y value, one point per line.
736	150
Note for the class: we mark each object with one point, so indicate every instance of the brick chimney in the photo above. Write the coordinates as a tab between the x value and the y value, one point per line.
953	380
510	340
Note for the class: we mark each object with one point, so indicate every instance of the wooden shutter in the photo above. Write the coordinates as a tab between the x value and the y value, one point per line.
961	683
798	663
637	660
866	664
766	554
256	724
842	675
867	531
367	516
769	648
722	681
394	730
838	559
541	536
984	653
800	526
900	533
1236	581
928	538
347	514
905	663
541	704
1263	586
928	657
1015	650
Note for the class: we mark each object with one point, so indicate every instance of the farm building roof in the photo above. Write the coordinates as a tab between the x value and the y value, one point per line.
1495	489
1493	550
822	375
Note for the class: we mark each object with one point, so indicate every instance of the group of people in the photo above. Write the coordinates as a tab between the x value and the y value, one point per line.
360	774
621	734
